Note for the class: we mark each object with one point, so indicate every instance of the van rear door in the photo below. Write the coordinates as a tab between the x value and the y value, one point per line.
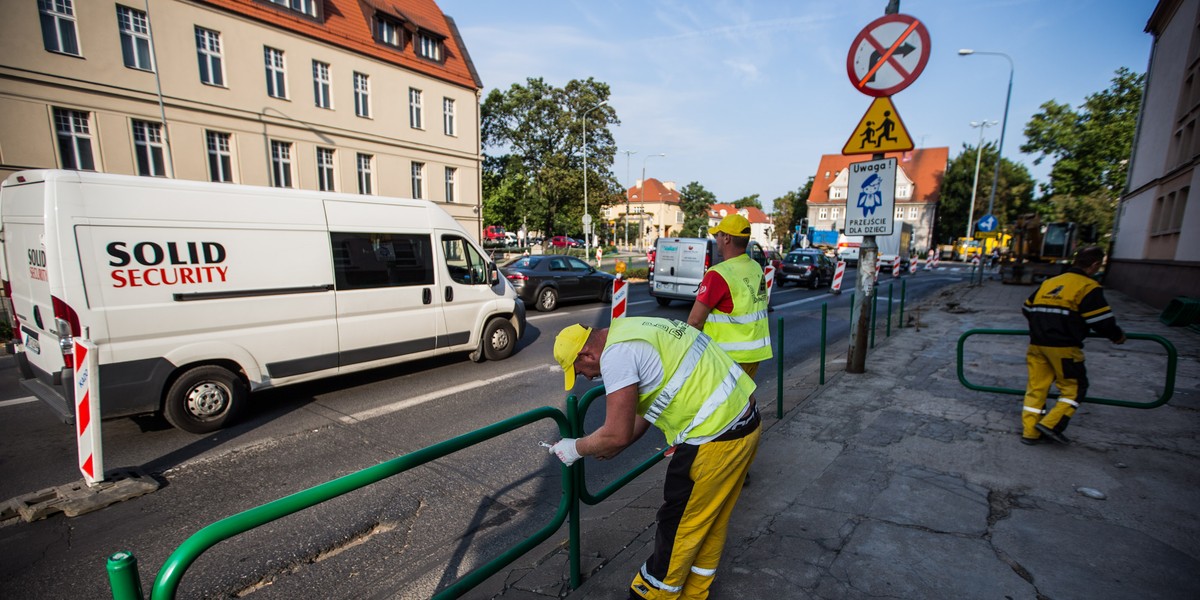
679	266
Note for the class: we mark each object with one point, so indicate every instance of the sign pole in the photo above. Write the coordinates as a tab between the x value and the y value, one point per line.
868	253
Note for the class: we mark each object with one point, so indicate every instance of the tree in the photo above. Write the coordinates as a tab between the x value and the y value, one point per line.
1014	193
751	200
695	201
537	130
1090	149
789	210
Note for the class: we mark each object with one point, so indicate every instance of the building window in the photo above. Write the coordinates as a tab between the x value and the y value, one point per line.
1167	216
912	213
58	26
429	46
325	181
322	85
220	159
822	214
149	149
388	31
74	139
414	109
418	180
366	182
208	52
837	193
276	73
281	164
307	7
135	38
834	213
362	95
899	212
451	179
448	116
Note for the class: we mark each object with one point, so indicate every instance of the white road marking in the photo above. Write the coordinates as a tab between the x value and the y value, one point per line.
25	400
422	399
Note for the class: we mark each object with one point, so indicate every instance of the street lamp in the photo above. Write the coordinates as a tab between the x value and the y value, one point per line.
587	218
975	186
642	192
1003	124
627	154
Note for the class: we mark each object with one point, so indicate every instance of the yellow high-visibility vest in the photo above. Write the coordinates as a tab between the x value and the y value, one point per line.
745	333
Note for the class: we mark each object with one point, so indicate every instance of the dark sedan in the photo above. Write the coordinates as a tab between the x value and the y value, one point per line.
806	267
542	280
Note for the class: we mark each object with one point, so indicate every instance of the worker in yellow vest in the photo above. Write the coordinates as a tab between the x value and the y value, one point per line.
731	304
665	373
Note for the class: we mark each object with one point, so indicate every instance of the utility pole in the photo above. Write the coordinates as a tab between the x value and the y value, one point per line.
627	154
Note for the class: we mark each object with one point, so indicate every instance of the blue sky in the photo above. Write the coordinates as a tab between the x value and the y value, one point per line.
745	97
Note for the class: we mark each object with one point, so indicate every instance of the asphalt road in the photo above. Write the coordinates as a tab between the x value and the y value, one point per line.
405	537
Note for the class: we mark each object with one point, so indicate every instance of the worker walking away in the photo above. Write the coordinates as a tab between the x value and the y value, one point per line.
668	374
1060	313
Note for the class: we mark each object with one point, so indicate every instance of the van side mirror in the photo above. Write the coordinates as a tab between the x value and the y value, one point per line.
493	274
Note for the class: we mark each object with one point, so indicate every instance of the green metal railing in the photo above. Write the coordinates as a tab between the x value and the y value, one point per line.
1168	388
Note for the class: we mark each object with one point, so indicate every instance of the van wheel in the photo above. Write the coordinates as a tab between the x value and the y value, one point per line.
547	299
204	399
663	301
499	339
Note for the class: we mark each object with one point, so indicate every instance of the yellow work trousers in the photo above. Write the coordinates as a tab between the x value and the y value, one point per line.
1064	368
702	485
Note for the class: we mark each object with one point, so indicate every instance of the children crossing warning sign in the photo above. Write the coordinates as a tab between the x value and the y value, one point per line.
880	130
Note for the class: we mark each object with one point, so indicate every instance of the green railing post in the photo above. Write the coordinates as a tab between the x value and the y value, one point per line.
824	318
874	311
572	475
889	318
903	293
852	314
779	375
123	576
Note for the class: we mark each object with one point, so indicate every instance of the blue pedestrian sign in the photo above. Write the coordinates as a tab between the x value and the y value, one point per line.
987	224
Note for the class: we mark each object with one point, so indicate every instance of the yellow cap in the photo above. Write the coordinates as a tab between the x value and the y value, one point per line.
734	224
566	349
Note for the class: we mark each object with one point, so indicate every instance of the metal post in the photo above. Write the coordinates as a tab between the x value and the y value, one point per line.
824	317
889	308
570	475
851	307
867	255
779	377
903	292
874	309
123	576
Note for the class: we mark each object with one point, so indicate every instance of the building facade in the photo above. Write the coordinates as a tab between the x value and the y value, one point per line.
1156	247
363	96
761	226
653	211
918	188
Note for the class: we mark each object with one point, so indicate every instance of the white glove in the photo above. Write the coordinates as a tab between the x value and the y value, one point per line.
565	450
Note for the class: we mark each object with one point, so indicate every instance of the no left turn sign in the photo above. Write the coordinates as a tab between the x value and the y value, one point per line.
888	55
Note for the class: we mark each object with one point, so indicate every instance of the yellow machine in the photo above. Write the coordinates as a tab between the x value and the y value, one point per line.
1038	251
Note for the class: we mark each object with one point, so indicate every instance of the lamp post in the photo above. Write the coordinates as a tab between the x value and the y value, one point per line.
587	218
1003	123
642	193
627	154
975	186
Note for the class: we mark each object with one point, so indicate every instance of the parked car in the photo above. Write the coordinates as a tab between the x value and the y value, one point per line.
562	241
510	239
807	267
543	280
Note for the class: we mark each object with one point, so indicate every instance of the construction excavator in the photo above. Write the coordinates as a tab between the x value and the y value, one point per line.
1041	251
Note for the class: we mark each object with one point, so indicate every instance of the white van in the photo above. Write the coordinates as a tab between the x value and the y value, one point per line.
198	293
677	265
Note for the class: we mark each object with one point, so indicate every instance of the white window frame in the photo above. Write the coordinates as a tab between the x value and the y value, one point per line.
418	180
365	165
899	212
835	212
388	32
448	115
276	65
415	116
220	156
837	193
912	213
326	177
56	16
134	26
429	46
822	213
322	85
209	57
362	95
149	151
451	184
73	132
281	164
304	7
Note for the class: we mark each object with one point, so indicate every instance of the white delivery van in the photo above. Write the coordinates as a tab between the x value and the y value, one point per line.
677	265
198	293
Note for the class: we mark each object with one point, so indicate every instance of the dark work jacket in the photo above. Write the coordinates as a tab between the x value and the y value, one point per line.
1062	310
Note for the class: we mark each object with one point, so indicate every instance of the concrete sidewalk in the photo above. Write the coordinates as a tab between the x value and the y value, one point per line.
902	483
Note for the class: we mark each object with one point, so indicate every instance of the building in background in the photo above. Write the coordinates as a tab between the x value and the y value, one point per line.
363	96
654	210
1156	243
761	226
918	188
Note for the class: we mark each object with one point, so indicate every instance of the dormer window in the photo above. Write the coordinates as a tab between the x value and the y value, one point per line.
429	46
304	7
389	32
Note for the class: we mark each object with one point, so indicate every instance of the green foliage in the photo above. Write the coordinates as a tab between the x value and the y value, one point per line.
536	168
751	200
1014	193
695	201
789	210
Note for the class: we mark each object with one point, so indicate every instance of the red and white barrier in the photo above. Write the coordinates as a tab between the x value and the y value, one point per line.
912	265
936	258
896	267
620	296
836	287
877	265
87	411
769	278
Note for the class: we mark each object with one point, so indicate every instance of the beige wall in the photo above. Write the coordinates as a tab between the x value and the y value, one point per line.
34	81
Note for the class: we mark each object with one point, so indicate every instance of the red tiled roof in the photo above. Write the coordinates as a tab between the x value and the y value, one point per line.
753	213
925	166
348	24
655	192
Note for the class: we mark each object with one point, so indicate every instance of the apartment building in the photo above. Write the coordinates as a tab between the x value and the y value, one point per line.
654	210
363	96
761	226
1156	247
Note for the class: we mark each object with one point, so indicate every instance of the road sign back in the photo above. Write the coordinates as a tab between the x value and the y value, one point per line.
888	55
880	130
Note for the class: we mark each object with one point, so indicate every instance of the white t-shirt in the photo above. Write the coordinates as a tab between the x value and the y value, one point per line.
632	362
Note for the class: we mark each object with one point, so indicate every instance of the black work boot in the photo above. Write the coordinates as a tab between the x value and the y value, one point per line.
1052	434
